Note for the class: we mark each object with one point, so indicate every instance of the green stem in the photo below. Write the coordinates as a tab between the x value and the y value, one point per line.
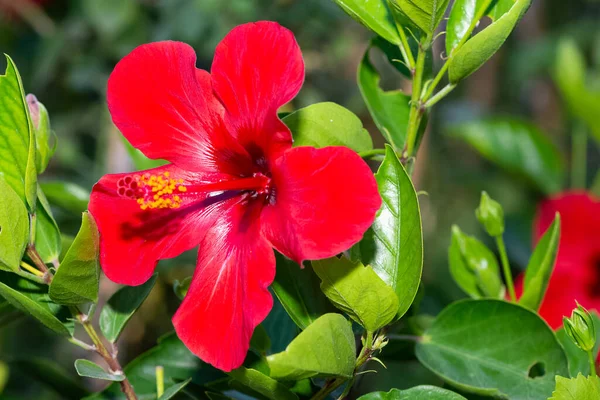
506	268
592	363
436	82
416	109
371	153
579	158
405	48
329	387
439	95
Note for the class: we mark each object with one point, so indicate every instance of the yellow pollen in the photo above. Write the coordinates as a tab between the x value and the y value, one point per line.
157	191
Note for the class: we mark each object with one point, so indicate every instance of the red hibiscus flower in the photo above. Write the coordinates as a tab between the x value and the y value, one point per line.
235	186
576	276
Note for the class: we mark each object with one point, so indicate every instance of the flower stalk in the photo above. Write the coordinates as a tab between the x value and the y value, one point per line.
506	268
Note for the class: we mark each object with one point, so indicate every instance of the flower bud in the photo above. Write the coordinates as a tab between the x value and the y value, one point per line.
580	328
491	215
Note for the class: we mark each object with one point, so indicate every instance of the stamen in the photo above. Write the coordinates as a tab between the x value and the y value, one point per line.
152	191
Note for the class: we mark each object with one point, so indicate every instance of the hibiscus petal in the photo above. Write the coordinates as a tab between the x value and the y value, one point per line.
166	108
228	296
325	199
257	68
132	240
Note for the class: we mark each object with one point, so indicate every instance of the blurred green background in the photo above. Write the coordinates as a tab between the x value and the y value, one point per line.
65	51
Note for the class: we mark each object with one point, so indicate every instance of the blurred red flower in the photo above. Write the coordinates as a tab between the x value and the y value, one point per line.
576	276
235	186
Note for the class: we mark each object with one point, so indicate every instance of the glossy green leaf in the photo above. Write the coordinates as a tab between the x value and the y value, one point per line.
374	14
140	161
48	242
358	291
424	392
280	327
579	388
90	369
121	306
578	359
260	341
517	146
262	384
481	47
390	110
68	196
17	140
493	348
539	269
474	267
181	287
173	390
325	349
570	74
178	364
32	298
425	14
14	227
393	246
43	133
328	124
464	16
299	293
77	279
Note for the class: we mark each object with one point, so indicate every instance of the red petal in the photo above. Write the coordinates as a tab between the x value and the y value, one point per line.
228	296
257	68
580	236
325	199
133	240
166	108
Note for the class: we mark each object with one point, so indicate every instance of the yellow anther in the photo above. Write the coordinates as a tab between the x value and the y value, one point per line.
157	191
182	188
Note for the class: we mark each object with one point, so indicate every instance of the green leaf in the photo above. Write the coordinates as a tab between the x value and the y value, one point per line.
181	287
121	306
517	146
474	267
68	196
393	246
328	124
325	349
32	298
173	390
481	47
424	392
14	227
298	291
539	269
17	140
177	361
280	327
374	14
260	340
570	76
91	370
43	133
48	242
140	161
493	348
77	279
390	110
262	384
425	14
464	16
358	291
580	388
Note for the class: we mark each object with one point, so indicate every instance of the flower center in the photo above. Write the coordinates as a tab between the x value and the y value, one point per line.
163	191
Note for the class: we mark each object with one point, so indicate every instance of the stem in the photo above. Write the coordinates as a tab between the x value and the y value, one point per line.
38	262
160	381
416	109
436	81
329	387
579	158
405	48
371	153
592	363
506	268
29	268
439	95
109	358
